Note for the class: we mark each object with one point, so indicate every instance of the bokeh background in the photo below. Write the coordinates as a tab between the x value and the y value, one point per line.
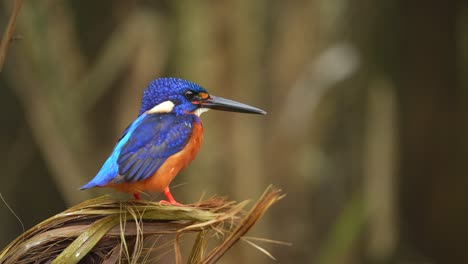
366	130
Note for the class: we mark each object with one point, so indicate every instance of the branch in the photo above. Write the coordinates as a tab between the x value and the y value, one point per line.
105	229
8	34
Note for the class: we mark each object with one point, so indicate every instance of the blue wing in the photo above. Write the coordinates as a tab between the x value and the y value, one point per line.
144	147
157	138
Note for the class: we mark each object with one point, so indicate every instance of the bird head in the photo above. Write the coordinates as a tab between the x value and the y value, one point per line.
172	95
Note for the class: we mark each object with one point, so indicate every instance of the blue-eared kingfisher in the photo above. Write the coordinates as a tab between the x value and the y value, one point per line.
163	139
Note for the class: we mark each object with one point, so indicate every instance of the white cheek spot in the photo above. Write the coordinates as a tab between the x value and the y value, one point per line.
164	107
200	111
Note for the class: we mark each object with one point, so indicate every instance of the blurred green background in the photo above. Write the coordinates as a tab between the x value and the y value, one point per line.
366	129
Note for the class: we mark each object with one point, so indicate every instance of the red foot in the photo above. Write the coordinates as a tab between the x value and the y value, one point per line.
171	199
137	196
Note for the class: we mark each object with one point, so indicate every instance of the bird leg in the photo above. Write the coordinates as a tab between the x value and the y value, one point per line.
171	199
137	196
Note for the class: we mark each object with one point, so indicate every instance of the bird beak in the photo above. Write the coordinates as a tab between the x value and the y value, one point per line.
218	103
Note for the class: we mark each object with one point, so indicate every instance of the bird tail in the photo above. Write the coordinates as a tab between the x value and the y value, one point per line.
88	185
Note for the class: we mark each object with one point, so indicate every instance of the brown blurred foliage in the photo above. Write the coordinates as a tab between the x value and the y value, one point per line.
365	132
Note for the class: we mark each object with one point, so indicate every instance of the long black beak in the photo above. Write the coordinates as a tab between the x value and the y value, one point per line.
218	103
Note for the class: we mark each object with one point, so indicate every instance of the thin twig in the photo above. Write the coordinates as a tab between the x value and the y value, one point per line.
13	212
269	197
8	34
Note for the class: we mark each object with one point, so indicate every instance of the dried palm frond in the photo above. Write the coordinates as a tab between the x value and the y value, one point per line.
105	230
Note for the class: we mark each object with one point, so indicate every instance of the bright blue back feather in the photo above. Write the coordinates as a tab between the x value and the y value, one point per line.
110	169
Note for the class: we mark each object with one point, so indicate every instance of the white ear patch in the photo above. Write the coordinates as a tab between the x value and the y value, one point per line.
200	111
164	107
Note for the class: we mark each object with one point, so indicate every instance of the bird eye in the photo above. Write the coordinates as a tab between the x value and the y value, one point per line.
189	95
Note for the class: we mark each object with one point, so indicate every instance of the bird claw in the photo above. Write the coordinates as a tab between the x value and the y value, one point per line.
170	203
171	199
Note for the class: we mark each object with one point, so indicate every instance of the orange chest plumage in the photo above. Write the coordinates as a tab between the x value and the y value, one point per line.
171	167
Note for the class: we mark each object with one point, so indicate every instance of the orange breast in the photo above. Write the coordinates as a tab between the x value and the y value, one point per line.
175	163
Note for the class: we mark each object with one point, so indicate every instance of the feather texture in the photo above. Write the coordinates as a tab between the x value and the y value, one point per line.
145	145
156	138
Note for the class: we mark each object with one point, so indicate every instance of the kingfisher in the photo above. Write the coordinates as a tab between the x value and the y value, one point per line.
164	138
